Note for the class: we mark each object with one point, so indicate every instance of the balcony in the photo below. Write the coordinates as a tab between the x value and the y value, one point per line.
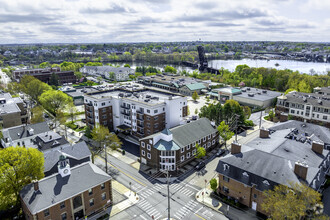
90	116
139	119
140	132
89	110
139	112
125	107
125	113
140	126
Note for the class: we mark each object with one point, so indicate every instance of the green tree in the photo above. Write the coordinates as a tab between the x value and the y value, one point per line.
19	166
247	111
170	69
72	110
271	115
89	83
54	79
224	132
195	96
54	100
37	114
200	151
88	132
44	65
79	75
127	65
196	111
213	184
111	75
289	90
291	202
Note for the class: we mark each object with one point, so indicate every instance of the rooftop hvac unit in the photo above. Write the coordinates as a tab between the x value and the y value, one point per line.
251	94
264	91
319	101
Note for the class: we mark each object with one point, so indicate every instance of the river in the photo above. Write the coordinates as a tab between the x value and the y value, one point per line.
302	67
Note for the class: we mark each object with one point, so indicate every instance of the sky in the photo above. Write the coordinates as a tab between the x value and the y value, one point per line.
101	21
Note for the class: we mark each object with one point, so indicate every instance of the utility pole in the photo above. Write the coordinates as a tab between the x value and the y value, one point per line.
168	196
236	117
106	159
260	119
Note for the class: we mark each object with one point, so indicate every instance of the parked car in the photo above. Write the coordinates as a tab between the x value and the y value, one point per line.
200	165
220	152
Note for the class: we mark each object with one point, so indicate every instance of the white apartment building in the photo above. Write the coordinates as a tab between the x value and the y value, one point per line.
108	72
140	111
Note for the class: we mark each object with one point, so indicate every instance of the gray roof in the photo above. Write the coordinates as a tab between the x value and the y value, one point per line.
11	104
258	94
166	145
311	98
319	131
48	140
273	159
77	151
55	189
193	131
18	132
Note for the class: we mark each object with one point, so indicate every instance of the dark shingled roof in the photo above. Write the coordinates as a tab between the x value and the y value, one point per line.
55	189
77	151
13	132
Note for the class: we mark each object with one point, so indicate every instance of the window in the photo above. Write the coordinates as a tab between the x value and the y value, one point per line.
103	104
194	152
91	202
148	111
148	146
155	111
317	115
143	153
204	138
292	111
188	155
325	117
225	189
298	112
255	196
64	216
102	186
182	158
90	192
204	145
143	144
209	137
149	156
104	117
209	144
188	147
46	212
105	123
104	196
155	118
182	150
226	179
62	205
77	202
199	141
213	142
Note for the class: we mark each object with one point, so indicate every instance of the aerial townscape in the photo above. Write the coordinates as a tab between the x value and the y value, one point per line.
164	110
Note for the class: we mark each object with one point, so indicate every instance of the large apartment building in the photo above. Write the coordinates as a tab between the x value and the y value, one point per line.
290	152
12	111
308	107
173	148
44	75
108	72
140	111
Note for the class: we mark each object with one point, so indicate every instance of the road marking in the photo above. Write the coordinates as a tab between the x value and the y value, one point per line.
143	217
200	216
198	210
192	187
123	172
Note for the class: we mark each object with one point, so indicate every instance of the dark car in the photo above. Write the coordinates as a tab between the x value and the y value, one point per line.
220	152
200	165
46	115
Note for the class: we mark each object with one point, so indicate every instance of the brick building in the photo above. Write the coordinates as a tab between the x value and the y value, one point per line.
72	193
173	148
44	75
307	107
141	112
12	111
284	154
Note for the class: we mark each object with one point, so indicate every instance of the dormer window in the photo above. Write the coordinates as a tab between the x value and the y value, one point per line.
266	182
245	174
226	167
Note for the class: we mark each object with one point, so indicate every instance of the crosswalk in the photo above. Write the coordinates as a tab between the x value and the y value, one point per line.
188	208
149	209
149	191
175	188
207	214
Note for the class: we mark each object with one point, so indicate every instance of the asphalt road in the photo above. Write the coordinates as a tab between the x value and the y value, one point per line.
153	195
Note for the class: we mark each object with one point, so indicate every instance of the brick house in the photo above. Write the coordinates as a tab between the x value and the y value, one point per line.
173	148
278	156
72	193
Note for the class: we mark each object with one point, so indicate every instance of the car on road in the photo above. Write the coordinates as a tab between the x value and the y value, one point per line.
200	165
220	152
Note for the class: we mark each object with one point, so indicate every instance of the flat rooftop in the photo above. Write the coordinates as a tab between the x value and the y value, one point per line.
146	96
258	94
10	106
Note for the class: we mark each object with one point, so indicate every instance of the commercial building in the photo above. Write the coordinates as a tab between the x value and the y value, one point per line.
12	111
175	83
139	111
108	72
252	97
289	153
44	75
173	148
77	94
308	107
71	193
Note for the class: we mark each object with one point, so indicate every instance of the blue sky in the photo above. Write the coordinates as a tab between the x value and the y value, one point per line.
75	21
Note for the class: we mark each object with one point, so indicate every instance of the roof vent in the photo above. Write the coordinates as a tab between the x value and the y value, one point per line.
319	101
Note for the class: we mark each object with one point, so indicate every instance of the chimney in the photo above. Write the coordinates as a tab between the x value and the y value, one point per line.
50	137
213	124
317	147
36	185
235	148
264	133
300	169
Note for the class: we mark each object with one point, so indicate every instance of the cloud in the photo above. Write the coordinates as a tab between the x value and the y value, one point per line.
114	9
222	24
63	30
27	18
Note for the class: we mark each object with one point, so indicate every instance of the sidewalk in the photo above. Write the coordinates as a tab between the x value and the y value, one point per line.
135	164
203	196
132	199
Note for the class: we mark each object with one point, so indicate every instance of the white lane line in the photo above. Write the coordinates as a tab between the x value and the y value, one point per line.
192	187
198	210
143	217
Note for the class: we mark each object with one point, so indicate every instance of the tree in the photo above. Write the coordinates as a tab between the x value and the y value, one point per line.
54	100
44	65
200	151
79	75
88	132
195	96
291	202
99	78
37	114
54	80
170	69
111	75
89	83
196	111
19	166
271	115
72	110
127	65
213	184
247	111
224	132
